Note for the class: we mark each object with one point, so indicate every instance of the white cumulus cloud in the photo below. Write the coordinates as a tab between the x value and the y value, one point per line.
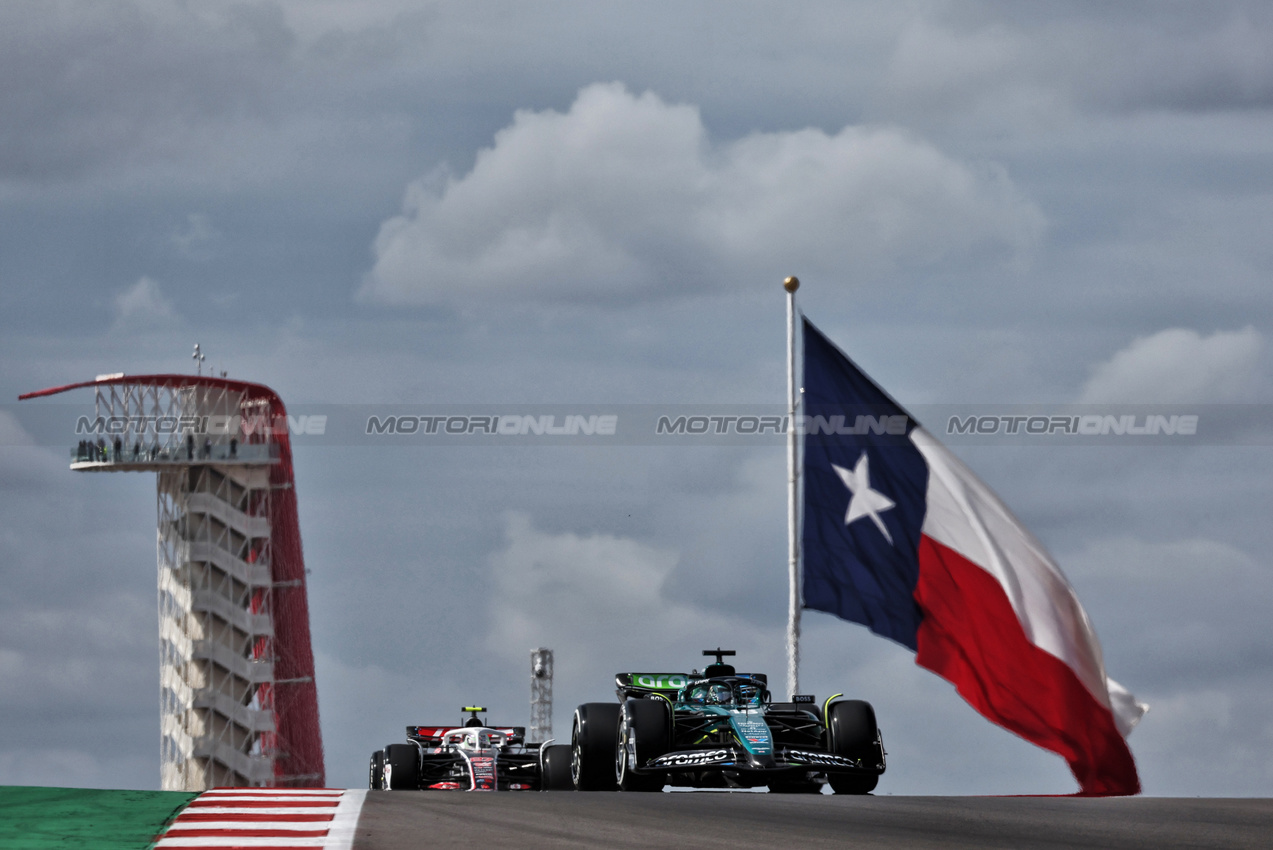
196	238
597	600
1179	365
625	196
143	305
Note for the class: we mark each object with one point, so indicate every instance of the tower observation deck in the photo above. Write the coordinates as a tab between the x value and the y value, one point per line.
238	704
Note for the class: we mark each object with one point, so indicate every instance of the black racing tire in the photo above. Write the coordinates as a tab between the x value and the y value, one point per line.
556	775
376	772
645	723
592	746
403	763
853	735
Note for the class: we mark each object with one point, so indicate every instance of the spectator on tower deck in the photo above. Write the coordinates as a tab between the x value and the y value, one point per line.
136	449
190	447
100	455
207	447
119	449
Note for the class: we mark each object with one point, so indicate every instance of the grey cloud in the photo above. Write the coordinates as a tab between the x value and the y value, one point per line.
1213	59
117	82
96	657
558	590
77	625
1005	64
196	237
12	433
1194	601
72	766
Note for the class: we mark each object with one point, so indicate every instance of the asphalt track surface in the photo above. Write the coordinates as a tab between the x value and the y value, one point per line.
709	820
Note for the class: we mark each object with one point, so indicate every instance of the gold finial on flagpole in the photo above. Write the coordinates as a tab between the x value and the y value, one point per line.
791	284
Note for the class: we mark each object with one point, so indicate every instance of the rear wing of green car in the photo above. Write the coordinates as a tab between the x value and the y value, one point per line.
643	684
666	685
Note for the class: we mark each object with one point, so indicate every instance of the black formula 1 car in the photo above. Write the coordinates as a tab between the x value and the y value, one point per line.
721	730
470	757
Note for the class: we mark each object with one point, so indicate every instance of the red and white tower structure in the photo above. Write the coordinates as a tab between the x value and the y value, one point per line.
238	702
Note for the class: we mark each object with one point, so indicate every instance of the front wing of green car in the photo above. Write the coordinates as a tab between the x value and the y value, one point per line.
732	740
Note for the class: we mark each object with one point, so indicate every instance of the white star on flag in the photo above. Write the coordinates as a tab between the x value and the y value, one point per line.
864	501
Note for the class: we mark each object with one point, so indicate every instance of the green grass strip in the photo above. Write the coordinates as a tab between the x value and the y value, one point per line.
47	818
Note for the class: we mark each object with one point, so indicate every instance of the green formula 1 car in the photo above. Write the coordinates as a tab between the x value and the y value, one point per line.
721	730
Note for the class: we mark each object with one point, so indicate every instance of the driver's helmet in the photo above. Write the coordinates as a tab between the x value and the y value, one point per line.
719	693
696	694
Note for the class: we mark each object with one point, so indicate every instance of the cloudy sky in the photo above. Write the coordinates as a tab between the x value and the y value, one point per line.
480	203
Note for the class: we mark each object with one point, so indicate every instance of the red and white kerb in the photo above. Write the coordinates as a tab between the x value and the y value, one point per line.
267	818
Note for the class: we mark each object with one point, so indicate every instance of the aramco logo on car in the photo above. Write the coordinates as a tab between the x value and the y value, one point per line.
662	681
691	759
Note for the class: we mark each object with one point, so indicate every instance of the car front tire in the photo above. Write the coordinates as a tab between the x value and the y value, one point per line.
592	746
645	723
853	735
402	767
556	776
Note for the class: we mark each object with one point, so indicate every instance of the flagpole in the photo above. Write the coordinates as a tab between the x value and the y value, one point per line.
791	284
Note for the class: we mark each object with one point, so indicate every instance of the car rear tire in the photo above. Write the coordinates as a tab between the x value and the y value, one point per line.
645	723
402	767
592	746
853	735
556	761
376	772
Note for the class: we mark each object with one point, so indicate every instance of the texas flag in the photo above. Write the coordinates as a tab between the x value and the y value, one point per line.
902	537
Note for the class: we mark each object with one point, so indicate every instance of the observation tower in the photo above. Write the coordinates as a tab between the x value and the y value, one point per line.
541	695
238	705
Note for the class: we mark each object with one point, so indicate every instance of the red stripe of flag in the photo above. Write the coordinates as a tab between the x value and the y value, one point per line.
970	636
